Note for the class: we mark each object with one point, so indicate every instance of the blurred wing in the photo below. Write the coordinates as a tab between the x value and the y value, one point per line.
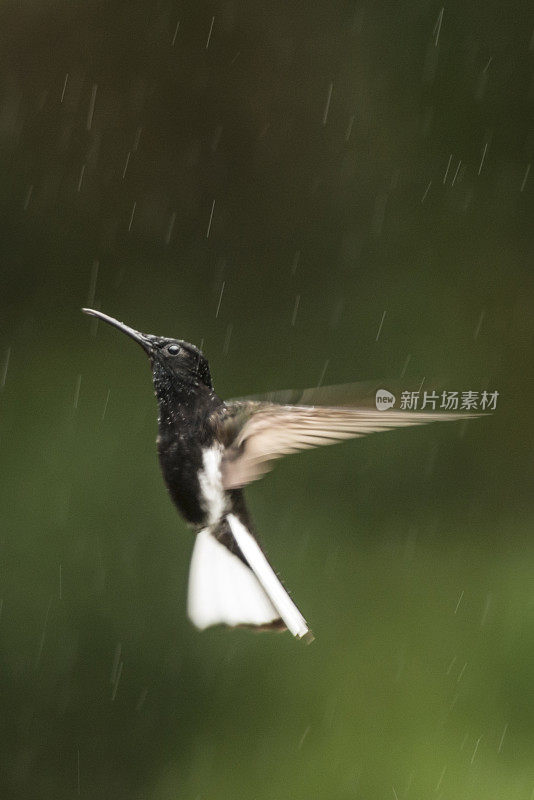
357	394
273	431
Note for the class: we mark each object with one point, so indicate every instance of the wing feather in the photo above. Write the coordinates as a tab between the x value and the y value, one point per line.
268	431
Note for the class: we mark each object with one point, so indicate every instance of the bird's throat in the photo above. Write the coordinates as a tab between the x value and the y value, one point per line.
182	400
175	398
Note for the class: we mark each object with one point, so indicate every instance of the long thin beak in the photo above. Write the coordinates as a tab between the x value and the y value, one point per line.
140	338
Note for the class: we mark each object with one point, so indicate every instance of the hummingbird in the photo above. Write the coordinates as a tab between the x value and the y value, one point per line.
209	450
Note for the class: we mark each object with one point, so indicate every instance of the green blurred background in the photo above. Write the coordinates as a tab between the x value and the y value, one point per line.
353	158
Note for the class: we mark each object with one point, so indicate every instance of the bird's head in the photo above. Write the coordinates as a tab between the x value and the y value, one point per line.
175	364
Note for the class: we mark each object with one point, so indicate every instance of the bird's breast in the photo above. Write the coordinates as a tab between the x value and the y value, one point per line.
193	476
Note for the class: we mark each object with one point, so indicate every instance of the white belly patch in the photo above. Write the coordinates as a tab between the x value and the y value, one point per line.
212	493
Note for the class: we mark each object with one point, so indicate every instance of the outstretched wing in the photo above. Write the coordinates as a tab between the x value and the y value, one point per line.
259	433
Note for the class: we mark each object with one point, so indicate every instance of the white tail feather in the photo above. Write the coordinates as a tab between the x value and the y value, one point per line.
223	590
278	596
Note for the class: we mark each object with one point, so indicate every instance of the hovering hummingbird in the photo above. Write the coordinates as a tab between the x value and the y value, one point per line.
209	450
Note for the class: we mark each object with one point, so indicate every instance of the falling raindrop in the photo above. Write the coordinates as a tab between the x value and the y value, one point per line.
5	368
105	405
170	228
476	748
327	105
116	684
210	220
220	299
210	32
456	173
461	673
132	216
80	178
77	391
91	109
323	373
479	325
295	310
349	128
303	737
137	139
28	197
451	665
437	27
129	153
405	367
525	178
380	326
502	738
426	192
486	608
447	170
487	141
227	338
440	779
64	87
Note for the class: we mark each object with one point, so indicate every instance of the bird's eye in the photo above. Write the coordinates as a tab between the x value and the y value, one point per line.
173	349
